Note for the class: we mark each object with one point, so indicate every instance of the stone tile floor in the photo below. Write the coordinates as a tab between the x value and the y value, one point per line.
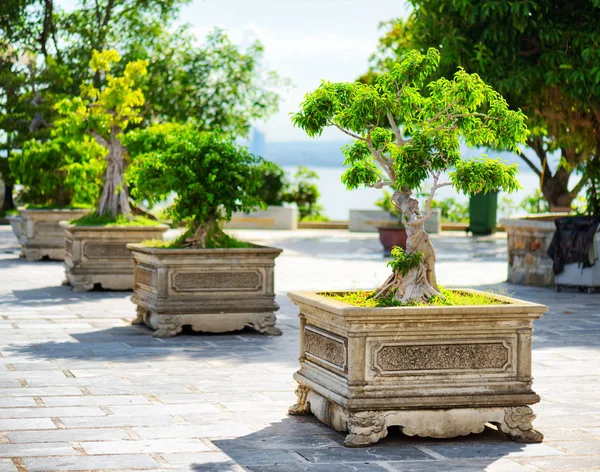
81	389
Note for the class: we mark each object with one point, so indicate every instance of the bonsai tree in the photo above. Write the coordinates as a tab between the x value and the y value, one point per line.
105	113
60	172
211	176
421	142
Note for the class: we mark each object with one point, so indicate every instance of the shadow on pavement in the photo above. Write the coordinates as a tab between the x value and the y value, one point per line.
305	444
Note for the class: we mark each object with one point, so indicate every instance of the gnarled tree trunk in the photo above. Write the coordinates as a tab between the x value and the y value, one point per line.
115	194
419	284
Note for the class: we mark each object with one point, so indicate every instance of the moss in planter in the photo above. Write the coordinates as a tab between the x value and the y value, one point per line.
363	298
121	220
75	206
214	240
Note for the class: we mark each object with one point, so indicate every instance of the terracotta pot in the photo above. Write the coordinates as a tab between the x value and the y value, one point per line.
391	236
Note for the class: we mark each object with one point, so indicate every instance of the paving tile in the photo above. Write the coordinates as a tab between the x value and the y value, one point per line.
78	463
29	423
193	431
563	464
145	446
36	449
87	400
44	412
117	421
493	450
66	435
309	467
249	457
500	465
6	465
368	454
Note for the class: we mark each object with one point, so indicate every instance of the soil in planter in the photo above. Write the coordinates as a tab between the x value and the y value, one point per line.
213	241
75	206
363	299
95	220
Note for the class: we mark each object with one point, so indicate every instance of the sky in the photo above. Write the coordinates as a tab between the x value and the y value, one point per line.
305	40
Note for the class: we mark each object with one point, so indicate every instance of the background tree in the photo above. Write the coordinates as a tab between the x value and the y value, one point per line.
423	142
105	113
543	56
216	84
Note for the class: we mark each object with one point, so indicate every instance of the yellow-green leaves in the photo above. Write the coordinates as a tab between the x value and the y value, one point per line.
102	60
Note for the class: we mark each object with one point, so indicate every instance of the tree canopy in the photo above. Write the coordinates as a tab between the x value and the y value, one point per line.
544	58
426	124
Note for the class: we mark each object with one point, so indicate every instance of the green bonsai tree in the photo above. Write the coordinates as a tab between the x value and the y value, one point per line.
404	135
211	176
104	113
60	172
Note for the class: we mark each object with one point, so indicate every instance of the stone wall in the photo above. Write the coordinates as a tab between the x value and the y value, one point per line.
528	243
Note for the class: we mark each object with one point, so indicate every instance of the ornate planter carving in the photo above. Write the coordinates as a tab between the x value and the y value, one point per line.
213	290
434	371
99	254
41	236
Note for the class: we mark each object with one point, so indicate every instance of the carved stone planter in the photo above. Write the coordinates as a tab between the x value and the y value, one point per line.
528	241
41	236
99	254
212	290
434	371
15	224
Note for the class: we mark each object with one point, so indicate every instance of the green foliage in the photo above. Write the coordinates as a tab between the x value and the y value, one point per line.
403	262
60	172
364	299
274	184
451	210
484	175
303	191
427	125
215	85
543	56
211	176
535	203
591	175
93	219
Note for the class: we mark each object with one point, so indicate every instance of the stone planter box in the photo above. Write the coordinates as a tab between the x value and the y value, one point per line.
528	241
434	371
99	254
15	224
212	290
41	236
368	221
274	217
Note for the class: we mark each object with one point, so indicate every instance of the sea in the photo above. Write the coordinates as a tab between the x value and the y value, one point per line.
337	201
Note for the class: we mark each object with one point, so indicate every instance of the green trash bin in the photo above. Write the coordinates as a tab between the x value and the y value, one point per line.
483	208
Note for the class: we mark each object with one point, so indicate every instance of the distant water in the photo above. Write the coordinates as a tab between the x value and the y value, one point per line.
338	201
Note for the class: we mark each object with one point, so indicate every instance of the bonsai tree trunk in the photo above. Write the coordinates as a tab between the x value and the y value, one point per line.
418	284
115	195
202	231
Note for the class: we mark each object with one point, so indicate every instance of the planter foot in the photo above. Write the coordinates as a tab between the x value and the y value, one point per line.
82	284
517	425
141	314
167	327
33	255
266	325
302	407
366	428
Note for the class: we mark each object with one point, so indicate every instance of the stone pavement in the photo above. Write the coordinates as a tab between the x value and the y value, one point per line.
81	389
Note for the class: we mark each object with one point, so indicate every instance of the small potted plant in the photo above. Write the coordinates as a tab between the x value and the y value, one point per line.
205	279
393	233
60	179
95	245
436	362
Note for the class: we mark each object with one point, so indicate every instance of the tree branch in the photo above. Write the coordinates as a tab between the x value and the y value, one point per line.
349	133
399	140
579	186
